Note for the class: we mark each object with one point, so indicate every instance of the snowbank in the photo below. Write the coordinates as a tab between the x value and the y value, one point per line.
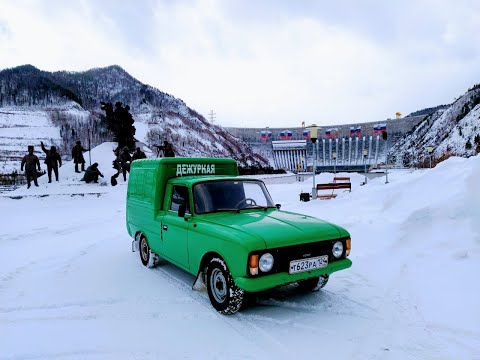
70	288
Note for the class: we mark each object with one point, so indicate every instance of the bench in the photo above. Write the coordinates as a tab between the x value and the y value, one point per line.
338	183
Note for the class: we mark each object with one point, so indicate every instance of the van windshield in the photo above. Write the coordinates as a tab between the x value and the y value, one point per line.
225	195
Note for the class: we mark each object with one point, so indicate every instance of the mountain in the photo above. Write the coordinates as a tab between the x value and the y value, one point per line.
61	107
450	130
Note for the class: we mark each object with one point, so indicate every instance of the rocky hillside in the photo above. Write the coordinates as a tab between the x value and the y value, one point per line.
68	104
451	130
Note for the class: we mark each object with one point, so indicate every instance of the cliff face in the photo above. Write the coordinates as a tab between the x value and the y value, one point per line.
71	100
453	130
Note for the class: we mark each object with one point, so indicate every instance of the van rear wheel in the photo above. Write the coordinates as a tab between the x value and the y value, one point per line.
144	251
147	256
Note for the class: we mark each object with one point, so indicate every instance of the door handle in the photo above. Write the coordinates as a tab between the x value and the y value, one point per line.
165	227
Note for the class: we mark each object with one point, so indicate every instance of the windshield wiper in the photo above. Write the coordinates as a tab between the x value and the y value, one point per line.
228	209
255	207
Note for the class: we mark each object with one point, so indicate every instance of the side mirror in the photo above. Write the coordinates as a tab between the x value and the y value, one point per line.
182	210
278	206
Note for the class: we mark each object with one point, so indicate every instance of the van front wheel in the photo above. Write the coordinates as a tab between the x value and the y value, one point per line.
225	296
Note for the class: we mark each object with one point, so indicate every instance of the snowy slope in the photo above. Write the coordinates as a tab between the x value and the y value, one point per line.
447	130
70	287
18	129
72	102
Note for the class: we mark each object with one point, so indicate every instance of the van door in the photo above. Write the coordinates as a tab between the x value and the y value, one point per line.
175	228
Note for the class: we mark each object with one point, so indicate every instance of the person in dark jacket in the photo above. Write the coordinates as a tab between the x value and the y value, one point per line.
92	174
53	161
122	163
168	149
30	162
77	156
138	154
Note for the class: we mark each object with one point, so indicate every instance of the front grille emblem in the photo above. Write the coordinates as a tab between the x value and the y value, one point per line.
306	255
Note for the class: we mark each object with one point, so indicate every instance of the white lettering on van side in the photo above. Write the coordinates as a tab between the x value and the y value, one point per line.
195	169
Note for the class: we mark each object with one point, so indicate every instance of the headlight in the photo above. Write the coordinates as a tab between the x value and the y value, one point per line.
337	249
266	262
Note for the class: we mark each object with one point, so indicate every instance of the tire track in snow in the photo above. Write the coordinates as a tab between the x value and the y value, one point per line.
236	321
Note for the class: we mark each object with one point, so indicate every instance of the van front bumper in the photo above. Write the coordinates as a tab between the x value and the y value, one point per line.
265	282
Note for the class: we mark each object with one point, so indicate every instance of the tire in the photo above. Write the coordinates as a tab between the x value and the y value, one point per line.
313	284
147	256
225	296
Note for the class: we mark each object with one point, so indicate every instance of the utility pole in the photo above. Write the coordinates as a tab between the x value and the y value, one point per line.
212	116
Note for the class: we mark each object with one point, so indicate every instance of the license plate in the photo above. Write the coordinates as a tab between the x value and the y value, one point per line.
318	262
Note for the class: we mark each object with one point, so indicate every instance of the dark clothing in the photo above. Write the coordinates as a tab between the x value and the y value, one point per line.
76	168
139	154
125	156
168	150
91	174
31	175
31	163
122	164
77	155
53	161
49	172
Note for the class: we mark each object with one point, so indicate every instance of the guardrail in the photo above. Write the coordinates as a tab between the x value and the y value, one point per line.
9	182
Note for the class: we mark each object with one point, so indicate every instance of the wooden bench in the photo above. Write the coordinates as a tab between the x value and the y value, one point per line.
338	183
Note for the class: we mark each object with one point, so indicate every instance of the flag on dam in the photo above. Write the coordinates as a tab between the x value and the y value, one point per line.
286	135
379	129
331	133
265	135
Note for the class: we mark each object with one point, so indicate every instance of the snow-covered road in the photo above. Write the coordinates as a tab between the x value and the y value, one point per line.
70	287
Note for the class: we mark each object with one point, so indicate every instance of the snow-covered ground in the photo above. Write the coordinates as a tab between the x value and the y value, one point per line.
70	287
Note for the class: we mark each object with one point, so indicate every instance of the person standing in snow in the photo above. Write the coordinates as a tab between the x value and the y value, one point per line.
121	164
138	154
53	161
77	156
168	149
91	174
31	163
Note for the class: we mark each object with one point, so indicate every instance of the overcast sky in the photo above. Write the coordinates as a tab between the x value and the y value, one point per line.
262	62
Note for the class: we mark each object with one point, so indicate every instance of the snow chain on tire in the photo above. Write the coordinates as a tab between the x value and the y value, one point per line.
234	295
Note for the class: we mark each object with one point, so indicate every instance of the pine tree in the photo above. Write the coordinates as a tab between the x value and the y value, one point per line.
468	145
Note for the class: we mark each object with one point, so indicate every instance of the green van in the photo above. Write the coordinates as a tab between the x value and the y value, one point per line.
200	215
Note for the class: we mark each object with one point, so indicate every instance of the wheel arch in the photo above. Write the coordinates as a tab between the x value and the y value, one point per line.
207	257
141	233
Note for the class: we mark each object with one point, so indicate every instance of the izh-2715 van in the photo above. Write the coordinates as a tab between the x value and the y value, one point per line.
198	214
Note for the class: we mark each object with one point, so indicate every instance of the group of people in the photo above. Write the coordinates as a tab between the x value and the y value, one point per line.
123	160
31	163
53	161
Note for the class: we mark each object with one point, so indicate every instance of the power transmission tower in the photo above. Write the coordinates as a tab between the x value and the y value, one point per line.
212	116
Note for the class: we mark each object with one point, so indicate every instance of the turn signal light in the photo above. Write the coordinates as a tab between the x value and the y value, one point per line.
348	245
253	264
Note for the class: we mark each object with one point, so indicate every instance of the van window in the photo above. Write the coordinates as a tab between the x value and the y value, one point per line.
179	197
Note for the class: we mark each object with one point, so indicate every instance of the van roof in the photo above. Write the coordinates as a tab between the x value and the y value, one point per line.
192	180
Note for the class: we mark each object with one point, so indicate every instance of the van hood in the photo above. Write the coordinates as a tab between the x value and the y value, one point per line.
279	228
